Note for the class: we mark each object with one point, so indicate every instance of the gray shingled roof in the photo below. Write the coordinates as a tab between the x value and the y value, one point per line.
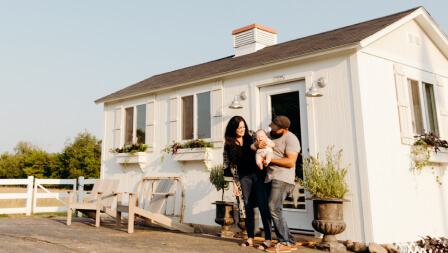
290	49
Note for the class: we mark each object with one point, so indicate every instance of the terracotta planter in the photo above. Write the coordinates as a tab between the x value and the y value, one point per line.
329	220
224	217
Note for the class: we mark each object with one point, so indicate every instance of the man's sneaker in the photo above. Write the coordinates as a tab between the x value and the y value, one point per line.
293	247
279	248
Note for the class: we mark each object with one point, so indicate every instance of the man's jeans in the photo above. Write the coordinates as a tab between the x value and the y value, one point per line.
277	192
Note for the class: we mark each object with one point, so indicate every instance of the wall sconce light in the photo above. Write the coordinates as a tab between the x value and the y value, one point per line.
314	90
235	104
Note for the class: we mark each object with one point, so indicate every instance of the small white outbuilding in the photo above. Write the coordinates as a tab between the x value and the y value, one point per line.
387	80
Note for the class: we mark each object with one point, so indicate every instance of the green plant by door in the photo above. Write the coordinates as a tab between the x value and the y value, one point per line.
325	179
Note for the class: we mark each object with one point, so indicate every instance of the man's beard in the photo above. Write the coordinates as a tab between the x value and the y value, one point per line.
275	135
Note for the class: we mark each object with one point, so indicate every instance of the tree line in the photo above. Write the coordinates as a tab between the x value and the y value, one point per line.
79	157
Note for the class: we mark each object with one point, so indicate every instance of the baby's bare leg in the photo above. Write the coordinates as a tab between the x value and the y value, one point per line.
259	160
267	159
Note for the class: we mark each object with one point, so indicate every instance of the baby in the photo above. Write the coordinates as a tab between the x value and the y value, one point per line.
263	156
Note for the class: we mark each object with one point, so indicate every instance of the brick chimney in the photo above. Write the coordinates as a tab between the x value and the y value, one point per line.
252	38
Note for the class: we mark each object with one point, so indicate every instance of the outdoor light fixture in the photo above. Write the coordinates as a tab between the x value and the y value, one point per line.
314	90
235	104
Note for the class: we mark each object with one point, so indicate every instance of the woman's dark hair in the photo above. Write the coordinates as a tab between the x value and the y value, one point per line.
230	136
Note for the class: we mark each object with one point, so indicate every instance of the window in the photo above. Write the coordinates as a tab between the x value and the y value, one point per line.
135	116
196	116
422	105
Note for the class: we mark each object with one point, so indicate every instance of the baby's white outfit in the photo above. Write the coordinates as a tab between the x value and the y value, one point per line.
266	150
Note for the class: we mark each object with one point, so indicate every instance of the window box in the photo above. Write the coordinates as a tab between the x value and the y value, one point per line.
137	158
194	154
439	157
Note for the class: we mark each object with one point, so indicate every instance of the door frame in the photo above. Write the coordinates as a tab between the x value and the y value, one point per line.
308	77
310	116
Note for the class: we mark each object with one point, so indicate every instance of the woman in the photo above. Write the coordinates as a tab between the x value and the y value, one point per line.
248	179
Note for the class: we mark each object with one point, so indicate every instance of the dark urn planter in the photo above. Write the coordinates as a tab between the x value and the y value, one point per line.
329	220
224	217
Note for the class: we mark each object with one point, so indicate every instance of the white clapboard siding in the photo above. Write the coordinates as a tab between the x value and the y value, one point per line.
404	111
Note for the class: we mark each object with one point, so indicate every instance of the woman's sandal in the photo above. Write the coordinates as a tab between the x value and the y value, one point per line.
263	246
247	244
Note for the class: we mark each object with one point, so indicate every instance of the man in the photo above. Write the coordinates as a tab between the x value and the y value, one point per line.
280	179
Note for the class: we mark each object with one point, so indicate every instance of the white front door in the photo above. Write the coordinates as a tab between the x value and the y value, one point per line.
289	100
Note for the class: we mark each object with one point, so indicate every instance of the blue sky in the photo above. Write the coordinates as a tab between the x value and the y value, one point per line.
57	57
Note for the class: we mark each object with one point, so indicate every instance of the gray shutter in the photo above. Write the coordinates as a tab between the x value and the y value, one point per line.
442	91
404	111
150	123
118	127
217	114
174	117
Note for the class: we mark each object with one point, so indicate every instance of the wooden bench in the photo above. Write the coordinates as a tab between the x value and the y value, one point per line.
100	201
147	203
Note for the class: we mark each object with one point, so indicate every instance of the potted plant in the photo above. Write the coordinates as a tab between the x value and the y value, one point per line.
192	150
131	154
224	209
325	181
428	149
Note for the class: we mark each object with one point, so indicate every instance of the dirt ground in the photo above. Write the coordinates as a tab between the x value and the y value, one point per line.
32	234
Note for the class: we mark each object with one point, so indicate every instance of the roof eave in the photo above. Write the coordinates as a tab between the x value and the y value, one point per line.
354	45
424	19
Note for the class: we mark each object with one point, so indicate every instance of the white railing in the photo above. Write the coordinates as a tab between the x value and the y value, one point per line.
28	195
32	197
48	195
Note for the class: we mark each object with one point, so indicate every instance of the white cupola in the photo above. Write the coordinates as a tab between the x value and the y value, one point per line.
252	38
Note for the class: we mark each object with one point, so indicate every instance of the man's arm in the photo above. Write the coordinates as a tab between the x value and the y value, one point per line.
289	161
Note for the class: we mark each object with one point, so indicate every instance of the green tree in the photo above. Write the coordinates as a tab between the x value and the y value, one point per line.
10	166
81	157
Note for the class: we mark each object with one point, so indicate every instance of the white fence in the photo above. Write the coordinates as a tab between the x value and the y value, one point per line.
33	196
28	195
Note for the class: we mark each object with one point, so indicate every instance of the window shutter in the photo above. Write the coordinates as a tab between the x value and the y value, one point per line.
404	111
150	123
174	117
217	114
442	91
118	123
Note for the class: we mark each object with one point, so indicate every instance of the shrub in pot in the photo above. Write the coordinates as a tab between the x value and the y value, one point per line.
224	209
325	180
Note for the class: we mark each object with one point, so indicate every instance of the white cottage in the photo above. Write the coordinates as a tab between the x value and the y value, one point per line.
387	80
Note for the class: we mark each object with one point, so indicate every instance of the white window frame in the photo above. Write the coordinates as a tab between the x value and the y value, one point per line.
134	123
423	103
195	114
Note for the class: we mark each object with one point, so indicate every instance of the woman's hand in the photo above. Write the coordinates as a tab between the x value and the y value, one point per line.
235	189
260	144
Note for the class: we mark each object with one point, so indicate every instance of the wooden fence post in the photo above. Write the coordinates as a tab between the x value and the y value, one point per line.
29	195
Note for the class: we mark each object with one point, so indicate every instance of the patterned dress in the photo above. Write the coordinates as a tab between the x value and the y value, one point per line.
234	172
